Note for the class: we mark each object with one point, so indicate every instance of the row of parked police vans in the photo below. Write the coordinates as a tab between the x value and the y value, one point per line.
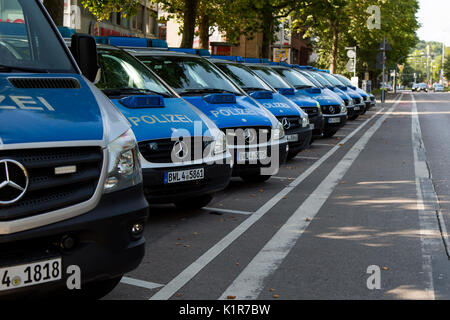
94	129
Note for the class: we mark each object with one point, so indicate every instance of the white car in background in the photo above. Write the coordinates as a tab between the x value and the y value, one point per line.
438	87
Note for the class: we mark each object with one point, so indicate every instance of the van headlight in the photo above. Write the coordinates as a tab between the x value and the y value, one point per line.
124	168
305	121
278	132
343	108
220	144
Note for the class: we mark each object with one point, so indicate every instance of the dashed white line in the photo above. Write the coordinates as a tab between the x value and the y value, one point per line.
141	283
219	210
307	158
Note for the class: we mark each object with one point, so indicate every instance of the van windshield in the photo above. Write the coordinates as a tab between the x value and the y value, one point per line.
244	77
189	75
27	41
123	74
273	78
297	80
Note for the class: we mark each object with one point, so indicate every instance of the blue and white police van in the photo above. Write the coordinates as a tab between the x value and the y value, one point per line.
333	108
307	104
71	196
369	99
294	120
358	101
184	156
255	137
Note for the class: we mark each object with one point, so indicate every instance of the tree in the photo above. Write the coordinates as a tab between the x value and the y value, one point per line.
56	10
102	9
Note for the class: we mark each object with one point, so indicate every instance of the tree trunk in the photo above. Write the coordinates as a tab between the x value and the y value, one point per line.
334	48
190	14
267	33
56	10
204	32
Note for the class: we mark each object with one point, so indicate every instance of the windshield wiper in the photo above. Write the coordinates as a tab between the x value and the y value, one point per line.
134	91
303	87
205	90
4	68
247	89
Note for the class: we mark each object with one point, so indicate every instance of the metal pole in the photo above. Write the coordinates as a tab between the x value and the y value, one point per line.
383	97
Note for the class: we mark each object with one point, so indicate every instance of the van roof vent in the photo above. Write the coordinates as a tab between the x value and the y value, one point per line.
45	83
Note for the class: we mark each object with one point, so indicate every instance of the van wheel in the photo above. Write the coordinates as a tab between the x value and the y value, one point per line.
329	134
291	156
354	117
98	289
257	178
195	202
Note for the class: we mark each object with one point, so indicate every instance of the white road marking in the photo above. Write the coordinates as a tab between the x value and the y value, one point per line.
322	144
194	268
307	158
228	211
250	282
429	231
141	283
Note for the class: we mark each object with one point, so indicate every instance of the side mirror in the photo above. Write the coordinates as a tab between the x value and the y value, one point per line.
84	50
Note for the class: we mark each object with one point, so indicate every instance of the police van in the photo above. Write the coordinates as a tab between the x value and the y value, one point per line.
358	107
333	108
255	137
184	156
294	120
307	104
72	205
369	99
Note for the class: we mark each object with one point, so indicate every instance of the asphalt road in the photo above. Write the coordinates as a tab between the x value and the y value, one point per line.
362	215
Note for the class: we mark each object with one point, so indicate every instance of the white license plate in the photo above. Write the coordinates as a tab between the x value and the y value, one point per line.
30	274
252	155
356	108
183	176
334	120
311	125
292	137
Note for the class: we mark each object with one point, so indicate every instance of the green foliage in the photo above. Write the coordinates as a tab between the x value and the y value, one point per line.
102	9
319	18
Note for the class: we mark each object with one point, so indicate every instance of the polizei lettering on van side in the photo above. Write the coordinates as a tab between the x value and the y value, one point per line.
25	103
161	118
230	111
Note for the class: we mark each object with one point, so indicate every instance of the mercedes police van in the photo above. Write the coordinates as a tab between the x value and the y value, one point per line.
255	137
184	156
333	108
353	101
294	120
72	205
369	100
307	104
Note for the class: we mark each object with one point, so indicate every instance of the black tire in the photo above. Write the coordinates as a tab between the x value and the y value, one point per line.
195	202
255	178
354	117
291	156
97	290
329	134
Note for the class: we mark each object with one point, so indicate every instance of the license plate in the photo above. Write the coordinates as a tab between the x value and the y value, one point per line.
31	274
311	125
183	176
356	108
334	120
292	137
252	155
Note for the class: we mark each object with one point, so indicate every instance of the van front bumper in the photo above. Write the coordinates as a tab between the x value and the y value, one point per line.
104	247
334	122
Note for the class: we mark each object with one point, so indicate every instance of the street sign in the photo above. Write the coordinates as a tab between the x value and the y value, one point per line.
350	67
351	54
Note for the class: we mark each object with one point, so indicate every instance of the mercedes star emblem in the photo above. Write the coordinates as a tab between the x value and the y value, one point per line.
13	181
